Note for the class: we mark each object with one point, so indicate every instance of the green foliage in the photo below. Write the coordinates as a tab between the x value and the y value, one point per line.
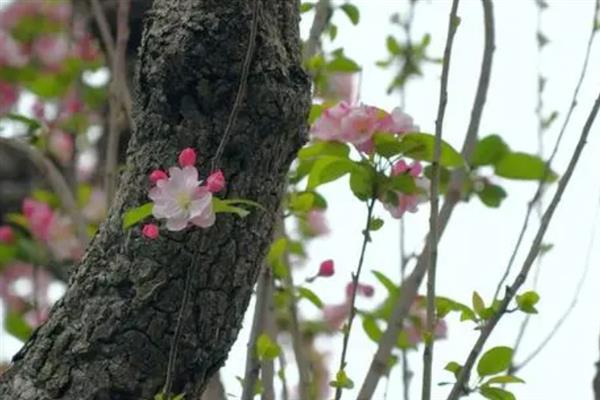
309	295
524	166
327	169
494	393
453	367
375	224
371	328
352	12
276	257
232	206
488	151
494	361
15	324
527	301
266	349
420	146
301	202
491	195
342	381
137	214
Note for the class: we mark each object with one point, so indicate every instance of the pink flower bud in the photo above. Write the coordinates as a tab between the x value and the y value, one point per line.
157	175
150	231
216	181
6	234
187	157
326	268
361	290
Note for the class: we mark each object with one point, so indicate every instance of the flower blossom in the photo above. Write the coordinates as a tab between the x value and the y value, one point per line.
150	231
6	234
215	182
8	97
181	200
39	218
316	223
408	202
51	50
356	124
335	315
11	52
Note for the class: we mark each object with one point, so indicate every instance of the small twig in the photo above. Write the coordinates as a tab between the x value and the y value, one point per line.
56	181
116	99
260	310
355	282
284	387
104	29
434	201
571	306
563	128
242	86
320	21
411	285
267	367
596	382
463	376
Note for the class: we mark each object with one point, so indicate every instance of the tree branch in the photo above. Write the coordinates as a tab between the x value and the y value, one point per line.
434	200
320	21
463	376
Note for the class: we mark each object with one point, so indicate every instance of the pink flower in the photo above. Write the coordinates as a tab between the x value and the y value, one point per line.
7	235
51	50
187	157
181	201
150	231
11	52
215	182
39	217
341	86
86	48
398	122
12	14
326	269
408	202
8	97
361	289
158	175
317	224
345	123
61	146
61	241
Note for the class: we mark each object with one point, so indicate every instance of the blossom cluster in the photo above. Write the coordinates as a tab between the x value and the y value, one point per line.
180	198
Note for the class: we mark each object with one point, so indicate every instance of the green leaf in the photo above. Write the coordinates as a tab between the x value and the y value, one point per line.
420	146
478	304
371	328
488	151
323	148
352	12
137	214
342	64
46	196
266	349
315	112
387	145
276	257
491	195
230	206
32	124
386	282
309	295
7	253
342	381
527	302
453	367
327	169
332	29
494	361
362	181
404	183
306	6
375	224
301	202
503	379
15	325
523	166
393	46
494	393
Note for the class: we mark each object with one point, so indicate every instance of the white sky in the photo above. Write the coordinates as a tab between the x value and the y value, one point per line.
478	241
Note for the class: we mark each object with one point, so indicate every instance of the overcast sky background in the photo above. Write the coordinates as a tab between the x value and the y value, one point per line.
477	244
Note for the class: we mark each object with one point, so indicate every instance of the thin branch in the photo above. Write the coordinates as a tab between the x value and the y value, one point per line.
104	28
267	373
434	201
284	387
56	181
596	382
563	128
320	21
252	363
410	287
355	281
242	86
116	99
573	303
463	376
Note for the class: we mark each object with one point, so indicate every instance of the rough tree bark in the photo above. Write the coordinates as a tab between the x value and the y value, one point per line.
109	336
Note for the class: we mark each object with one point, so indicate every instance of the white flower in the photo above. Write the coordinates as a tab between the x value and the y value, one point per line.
181	200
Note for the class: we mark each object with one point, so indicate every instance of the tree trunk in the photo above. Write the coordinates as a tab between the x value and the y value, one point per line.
109	336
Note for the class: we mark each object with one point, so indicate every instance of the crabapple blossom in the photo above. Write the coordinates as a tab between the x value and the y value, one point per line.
61	146
408	202
6	234
327	268
317	224
39	217
51	50
8	97
11	52
181	200
158	175
150	231
215	182
187	157
335	315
